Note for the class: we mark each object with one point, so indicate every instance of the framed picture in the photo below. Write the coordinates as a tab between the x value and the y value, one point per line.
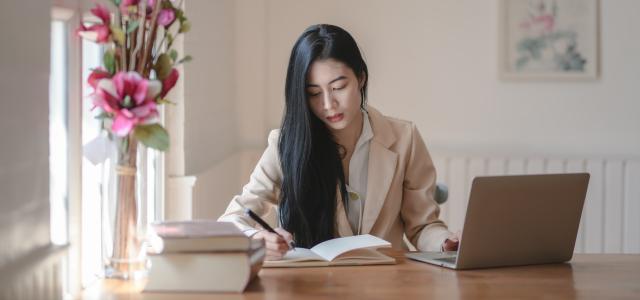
548	39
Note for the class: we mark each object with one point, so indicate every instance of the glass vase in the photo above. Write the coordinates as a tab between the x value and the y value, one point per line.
124	206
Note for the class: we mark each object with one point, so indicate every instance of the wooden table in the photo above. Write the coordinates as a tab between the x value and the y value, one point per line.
587	276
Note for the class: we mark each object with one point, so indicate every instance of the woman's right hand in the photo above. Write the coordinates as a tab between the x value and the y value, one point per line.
276	244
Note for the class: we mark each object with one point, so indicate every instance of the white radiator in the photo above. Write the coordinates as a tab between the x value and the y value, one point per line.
35	275
610	220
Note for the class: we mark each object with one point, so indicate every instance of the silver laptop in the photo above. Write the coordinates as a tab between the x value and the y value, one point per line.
517	220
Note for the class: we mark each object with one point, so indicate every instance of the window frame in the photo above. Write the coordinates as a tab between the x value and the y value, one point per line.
70	262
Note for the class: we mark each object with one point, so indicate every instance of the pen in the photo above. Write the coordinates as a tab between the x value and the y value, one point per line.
252	215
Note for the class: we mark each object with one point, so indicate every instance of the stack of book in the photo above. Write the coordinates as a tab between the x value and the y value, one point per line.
202	256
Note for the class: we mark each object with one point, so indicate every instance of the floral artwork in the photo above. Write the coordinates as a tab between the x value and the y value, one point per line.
549	38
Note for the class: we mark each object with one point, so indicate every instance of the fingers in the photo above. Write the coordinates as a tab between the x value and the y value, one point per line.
452	242
268	236
455	237
275	251
275	245
451	245
280	246
285	234
271	240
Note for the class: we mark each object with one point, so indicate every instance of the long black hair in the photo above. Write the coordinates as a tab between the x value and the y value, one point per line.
309	156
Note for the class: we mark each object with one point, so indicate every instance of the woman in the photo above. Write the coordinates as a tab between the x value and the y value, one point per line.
337	167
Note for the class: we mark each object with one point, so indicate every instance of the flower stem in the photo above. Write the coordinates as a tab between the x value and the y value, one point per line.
126	246
142	68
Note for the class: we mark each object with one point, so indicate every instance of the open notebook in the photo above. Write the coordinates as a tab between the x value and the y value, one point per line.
344	251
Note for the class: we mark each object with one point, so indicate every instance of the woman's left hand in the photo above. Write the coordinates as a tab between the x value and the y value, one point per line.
451	243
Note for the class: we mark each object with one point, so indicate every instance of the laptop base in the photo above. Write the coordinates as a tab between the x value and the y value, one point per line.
443	259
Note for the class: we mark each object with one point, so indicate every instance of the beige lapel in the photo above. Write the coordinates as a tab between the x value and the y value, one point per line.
382	166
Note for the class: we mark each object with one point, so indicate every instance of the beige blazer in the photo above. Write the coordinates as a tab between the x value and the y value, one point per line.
400	188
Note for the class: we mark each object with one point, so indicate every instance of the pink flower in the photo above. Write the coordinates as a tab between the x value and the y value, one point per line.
103	13
169	82
150	5
546	21
96	75
98	32
166	17
130	98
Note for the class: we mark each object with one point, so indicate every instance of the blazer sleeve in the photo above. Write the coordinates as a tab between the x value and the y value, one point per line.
262	191
419	210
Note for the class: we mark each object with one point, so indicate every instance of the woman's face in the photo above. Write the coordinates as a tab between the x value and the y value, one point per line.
333	91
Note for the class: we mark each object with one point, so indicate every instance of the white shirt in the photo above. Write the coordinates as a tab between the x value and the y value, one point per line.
358	175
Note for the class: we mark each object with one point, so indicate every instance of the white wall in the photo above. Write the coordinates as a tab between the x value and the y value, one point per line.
24	128
435	63
210	110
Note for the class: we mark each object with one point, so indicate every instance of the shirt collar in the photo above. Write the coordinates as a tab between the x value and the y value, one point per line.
367	134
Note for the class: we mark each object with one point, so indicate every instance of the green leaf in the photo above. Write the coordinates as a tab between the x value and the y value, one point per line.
185	27
106	124
116	2
169	38
180	15
163	66
152	136
185	59
132	26
166	4
165	101
173	54
117	34
109	60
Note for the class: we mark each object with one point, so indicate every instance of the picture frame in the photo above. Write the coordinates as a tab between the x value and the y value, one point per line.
548	39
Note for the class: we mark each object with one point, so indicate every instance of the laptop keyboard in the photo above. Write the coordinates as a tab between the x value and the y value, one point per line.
447	259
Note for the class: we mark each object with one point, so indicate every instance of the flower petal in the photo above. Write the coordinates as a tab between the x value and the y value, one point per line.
126	83
169	82
103	33
103	13
108	86
144	110
122	125
127	113
141	91
166	17
102	100
153	89
88	35
97	75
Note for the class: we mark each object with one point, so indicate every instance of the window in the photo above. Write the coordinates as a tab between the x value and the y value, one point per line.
58	134
60	137
91	263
